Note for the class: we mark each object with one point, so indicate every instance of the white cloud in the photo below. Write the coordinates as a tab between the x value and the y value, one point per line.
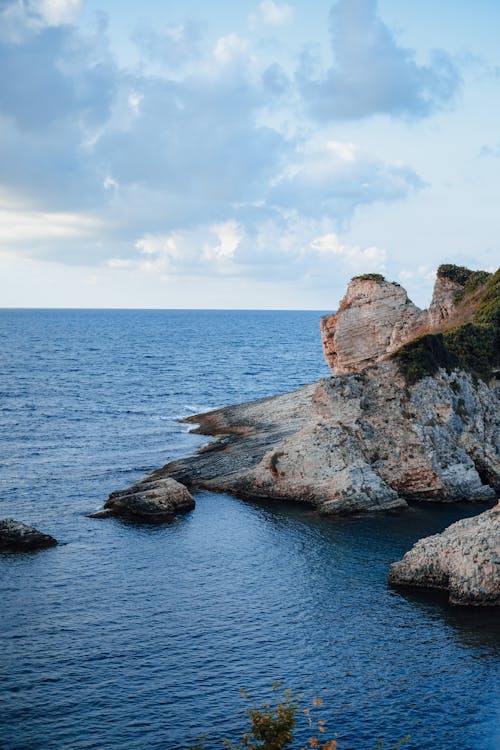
230	47
229	235
345	151
18	226
275	14
57	12
357	259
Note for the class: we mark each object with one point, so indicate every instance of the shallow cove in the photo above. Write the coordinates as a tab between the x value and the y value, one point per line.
139	637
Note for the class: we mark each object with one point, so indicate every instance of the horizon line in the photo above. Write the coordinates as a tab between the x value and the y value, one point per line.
174	309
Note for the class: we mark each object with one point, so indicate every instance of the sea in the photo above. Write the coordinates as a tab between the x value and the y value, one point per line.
138	637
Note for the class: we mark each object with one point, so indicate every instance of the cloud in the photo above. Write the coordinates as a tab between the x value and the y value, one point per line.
20	226
369	258
274	14
336	180
492	151
372	73
173	46
174	169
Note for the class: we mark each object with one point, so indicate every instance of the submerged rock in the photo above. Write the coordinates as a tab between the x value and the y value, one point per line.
151	501
16	536
464	560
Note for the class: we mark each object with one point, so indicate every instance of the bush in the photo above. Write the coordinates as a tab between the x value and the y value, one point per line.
473	346
272	727
458	274
424	356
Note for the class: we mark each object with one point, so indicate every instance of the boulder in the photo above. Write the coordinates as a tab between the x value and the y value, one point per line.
464	561
16	536
149	501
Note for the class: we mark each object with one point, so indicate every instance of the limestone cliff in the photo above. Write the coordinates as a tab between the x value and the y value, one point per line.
376	318
395	424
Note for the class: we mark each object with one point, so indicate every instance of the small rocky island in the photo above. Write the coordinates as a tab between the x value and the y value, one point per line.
16	536
409	414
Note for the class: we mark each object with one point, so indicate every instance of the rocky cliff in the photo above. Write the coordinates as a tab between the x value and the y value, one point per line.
376	318
406	416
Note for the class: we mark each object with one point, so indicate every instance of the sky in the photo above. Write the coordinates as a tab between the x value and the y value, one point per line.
250	154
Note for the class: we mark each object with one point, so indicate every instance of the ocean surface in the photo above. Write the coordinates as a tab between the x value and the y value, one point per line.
130	637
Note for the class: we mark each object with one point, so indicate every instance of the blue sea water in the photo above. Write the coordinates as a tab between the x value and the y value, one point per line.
126	636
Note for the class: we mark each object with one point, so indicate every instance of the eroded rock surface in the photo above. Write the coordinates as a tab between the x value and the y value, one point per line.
464	560
149	501
363	442
16	536
374	319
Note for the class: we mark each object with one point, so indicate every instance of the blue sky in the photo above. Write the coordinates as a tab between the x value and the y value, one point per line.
253	154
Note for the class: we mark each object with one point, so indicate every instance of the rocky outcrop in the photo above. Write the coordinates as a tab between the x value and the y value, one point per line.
368	439
464	560
16	536
443	302
374	319
358	443
149	501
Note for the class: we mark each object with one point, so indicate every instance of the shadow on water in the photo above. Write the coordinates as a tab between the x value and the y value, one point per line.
387	537
474	627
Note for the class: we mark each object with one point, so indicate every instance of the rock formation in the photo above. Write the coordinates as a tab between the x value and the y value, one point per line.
387	429
363	442
464	560
376	318
16	536
373	320
150	501
412	413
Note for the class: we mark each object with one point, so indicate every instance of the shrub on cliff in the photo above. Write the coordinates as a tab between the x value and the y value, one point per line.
370	277
424	356
473	346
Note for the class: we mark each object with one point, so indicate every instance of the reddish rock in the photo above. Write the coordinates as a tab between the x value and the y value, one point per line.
374	319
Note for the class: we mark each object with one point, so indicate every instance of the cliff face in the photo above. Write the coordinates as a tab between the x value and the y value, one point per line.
376	318
350	444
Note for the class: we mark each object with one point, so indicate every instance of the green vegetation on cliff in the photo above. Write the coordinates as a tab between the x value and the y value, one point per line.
424	356
473	346
370	277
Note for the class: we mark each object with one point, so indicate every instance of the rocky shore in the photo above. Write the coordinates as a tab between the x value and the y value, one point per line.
464	561
411	412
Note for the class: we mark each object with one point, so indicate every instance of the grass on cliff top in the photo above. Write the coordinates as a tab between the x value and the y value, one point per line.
462	275
473	346
370	277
